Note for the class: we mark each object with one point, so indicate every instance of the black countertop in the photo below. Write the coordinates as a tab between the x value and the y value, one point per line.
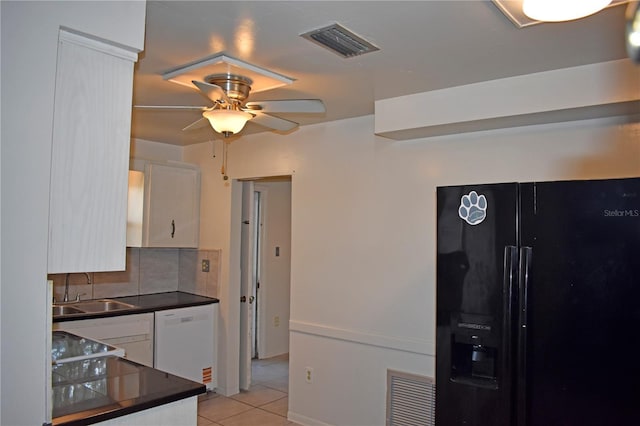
144	303
99	389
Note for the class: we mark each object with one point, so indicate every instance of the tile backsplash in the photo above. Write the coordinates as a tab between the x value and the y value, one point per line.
149	270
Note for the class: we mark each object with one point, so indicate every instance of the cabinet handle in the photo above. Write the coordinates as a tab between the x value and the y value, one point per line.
173	227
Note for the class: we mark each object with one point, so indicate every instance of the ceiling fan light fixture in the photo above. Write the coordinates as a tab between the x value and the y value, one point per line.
227	121
561	10
633	31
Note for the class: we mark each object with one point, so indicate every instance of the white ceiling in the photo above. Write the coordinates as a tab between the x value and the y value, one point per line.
424	45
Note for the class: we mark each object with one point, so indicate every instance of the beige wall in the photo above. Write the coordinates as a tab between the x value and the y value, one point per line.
143	150
363	238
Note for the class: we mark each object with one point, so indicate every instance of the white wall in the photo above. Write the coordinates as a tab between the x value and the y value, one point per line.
29	46
215	233
363	239
142	150
594	90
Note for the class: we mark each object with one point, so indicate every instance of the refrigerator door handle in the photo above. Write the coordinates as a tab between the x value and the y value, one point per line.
509	315
508	299
523	295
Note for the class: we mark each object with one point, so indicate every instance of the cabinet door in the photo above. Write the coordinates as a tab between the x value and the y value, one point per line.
172	206
90	156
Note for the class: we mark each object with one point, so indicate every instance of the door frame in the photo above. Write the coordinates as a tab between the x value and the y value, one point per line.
247	263
237	280
260	311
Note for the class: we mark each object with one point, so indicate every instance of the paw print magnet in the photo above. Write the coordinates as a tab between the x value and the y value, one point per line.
473	208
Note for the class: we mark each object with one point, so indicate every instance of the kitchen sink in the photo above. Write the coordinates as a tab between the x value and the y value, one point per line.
65	310
104	305
90	306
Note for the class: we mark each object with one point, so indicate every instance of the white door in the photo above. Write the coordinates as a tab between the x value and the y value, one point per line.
246	284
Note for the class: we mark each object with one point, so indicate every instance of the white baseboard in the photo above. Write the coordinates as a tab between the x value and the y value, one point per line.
227	392
304	420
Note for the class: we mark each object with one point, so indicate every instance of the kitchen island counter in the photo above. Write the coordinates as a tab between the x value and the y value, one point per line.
94	390
118	391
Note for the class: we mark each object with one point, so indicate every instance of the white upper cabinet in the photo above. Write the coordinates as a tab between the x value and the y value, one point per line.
171	213
90	155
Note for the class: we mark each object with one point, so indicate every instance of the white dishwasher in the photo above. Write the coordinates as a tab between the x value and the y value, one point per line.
185	343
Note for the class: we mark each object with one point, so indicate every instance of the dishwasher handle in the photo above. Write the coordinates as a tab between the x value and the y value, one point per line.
174	319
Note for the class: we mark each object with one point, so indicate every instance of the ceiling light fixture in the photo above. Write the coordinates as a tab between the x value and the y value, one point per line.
633	31
561	10
227	121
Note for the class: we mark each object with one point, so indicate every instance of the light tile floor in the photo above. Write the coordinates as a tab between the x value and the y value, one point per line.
265	404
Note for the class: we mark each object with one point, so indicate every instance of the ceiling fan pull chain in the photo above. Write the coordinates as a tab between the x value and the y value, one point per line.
223	170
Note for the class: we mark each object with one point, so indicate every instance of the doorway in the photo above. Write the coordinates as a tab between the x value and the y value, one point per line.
265	271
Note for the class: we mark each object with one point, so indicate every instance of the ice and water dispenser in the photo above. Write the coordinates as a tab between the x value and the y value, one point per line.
474	350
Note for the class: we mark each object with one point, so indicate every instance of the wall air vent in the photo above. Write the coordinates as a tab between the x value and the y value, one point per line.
340	40
411	399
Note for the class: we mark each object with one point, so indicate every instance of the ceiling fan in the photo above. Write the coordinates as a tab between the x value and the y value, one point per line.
230	111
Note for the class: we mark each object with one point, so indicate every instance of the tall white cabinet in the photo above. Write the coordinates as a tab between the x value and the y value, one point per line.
90	155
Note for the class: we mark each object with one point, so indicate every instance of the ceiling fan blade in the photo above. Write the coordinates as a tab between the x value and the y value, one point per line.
287	105
272	122
197	124
211	91
183	107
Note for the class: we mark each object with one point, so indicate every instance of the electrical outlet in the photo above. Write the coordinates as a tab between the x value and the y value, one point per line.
205	265
276	321
308	374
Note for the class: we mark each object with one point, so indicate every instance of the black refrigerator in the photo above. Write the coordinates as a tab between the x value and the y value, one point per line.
538	304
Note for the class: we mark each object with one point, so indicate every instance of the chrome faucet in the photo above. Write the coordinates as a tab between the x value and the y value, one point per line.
65	298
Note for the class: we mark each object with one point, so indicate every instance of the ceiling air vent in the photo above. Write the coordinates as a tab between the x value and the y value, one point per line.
340	40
